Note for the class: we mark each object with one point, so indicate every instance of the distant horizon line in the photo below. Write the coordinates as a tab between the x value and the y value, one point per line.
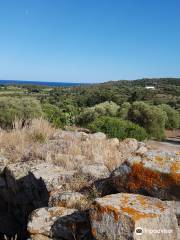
83	82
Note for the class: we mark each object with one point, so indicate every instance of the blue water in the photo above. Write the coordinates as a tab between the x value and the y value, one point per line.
51	84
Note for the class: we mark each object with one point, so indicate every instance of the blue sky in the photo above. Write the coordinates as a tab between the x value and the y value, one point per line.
89	40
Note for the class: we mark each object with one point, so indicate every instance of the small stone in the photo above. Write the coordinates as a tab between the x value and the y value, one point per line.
96	171
66	199
142	150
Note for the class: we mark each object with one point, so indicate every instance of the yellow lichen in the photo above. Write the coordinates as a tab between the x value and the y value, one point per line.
136	215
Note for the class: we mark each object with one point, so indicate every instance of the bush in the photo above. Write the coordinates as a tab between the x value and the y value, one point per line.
53	115
102	109
149	117
123	110
12	109
173	117
115	127
59	116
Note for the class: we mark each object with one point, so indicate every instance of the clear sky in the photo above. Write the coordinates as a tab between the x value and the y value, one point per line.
89	40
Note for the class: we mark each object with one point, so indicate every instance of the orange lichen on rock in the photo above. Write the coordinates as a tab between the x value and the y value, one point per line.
142	200
107	209
141	177
160	206
93	231
175	172
159	158
136	215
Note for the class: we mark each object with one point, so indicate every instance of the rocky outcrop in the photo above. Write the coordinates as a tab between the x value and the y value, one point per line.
155	174
131	216
59	223
18	198
23	188
42	191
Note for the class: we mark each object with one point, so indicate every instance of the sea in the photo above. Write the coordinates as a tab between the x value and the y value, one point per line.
39	83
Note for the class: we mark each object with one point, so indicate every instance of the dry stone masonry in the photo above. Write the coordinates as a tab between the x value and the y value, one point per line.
130	192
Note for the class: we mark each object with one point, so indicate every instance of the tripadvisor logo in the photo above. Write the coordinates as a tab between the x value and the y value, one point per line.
139	231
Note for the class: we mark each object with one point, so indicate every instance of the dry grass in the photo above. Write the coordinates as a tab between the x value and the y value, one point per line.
70	150
15	143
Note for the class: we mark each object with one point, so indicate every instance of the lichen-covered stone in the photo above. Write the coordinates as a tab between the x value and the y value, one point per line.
155	173
59	223
117	216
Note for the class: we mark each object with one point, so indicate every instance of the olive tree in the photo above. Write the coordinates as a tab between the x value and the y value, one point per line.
150	117
24	109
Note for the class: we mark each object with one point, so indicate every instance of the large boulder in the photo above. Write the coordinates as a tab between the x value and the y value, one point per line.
19	196
132	216
53	176
155	173
59	223
23	188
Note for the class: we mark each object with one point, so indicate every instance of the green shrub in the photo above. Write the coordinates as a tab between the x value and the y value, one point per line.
24	109
103	109
115	127
173	117
149	117
53	115
58	116
123	110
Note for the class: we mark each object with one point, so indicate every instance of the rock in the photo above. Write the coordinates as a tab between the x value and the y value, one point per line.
59	222
66	199
98	136
53	176
155	174
40	237
19	196
129	145
141	151
25	187
114	141
119	216
175	205
96	171
141	144
3	163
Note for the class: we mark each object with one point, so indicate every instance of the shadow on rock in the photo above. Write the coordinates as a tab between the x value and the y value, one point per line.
73	226
19	197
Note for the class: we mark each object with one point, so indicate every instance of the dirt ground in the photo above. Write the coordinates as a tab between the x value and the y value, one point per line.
164	146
